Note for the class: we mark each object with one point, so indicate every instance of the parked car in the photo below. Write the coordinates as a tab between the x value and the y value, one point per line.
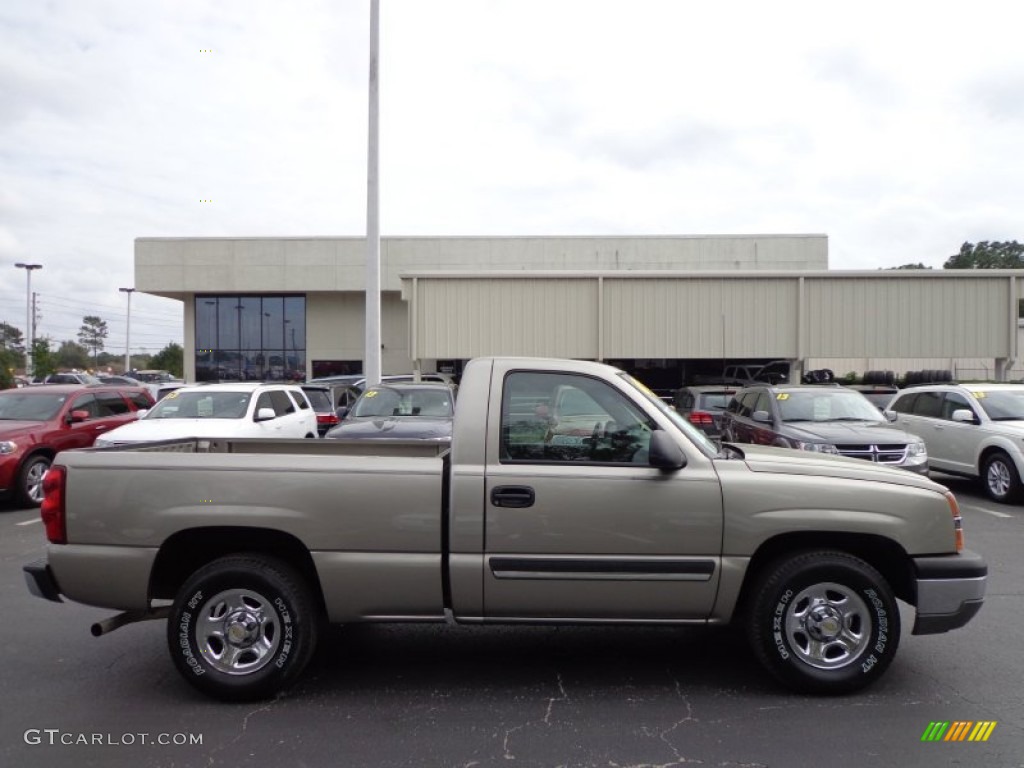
400	411
742	374
71	377
974	430
238	409
321	397
821	418
152	375
703	406
36	423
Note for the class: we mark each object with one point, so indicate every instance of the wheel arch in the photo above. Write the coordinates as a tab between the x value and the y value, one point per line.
883	554
185	552
989	450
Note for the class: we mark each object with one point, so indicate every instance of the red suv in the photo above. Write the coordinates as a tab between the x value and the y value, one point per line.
38	422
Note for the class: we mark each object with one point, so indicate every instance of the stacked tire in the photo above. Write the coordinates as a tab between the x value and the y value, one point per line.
928	376
885	378
819	376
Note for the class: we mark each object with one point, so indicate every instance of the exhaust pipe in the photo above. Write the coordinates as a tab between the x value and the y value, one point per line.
128	617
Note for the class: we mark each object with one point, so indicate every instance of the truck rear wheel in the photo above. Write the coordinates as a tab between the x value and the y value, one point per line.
824	622
242	627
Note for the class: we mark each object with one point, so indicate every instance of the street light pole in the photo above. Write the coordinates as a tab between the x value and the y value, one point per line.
128	333
372	364
28	315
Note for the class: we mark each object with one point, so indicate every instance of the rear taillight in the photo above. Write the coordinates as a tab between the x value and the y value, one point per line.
701	418
326	418
52	509
958	521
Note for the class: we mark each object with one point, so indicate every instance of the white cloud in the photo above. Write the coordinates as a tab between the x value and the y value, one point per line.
889	127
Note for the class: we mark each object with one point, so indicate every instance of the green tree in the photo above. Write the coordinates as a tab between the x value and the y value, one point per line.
44	361
12	342
988	255
919	265
7	366
171	358
71	355
93	334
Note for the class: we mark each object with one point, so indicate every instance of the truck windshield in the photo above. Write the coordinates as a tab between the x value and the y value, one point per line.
15	406
201	405
826	405
694	434
1004	405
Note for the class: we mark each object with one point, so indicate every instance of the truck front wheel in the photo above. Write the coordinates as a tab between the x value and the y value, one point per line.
242	627
824	622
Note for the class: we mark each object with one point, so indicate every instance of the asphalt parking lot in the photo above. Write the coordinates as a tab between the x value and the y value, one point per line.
526	696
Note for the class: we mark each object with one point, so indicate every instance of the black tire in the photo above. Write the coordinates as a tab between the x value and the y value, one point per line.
889	379
828	375
945	376
249	614
30	480
1001	480
855	617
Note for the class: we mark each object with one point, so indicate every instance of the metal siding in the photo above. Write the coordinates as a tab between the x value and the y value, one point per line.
469	318
907	317
700	318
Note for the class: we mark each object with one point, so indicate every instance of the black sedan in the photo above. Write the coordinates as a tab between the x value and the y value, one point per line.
399	411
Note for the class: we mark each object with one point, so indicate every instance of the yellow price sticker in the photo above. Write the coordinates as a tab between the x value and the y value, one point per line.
782	396
979	395
372	393
170	395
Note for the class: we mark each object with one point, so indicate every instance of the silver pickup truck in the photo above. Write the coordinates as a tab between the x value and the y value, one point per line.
570	493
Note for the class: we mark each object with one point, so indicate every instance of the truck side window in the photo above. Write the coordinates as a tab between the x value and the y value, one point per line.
559	417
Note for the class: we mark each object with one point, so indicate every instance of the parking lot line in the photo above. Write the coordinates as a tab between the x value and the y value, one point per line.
30	522
992	512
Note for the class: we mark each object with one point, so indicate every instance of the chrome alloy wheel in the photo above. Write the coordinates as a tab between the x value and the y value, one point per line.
34	481
998	478
238	632
828	625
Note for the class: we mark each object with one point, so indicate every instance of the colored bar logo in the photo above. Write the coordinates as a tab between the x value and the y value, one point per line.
959	730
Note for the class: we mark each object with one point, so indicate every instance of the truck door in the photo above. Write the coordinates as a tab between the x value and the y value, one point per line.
578	525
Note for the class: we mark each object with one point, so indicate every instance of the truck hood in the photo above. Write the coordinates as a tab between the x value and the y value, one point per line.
844	432
9	430
167	429
786	461
393	428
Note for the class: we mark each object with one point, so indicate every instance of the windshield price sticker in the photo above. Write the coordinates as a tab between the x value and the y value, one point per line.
979	395
372	393
171	395
782	396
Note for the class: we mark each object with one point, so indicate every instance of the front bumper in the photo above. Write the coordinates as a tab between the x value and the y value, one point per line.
40	581
950	591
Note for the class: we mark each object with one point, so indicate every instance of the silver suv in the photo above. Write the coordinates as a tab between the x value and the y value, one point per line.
975	430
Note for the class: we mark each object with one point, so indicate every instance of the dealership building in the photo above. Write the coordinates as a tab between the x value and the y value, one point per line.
666	307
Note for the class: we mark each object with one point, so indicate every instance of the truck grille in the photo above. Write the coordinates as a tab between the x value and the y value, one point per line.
880	454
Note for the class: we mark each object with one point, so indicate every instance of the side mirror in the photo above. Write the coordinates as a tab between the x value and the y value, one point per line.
890	416
141	413
342	412
664	453
965	416
762	417
265	414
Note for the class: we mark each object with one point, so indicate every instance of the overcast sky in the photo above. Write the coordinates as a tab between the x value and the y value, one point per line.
893	128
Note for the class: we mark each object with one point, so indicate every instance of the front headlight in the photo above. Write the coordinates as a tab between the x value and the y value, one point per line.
817	447
917	453
101	443
7	446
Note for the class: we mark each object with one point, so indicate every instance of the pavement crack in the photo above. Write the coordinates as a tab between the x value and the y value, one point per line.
245	726
546	720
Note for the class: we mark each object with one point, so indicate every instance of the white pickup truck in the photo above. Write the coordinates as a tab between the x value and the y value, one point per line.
570	493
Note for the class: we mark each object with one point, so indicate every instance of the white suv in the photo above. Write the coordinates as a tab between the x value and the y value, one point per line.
222	410
976	430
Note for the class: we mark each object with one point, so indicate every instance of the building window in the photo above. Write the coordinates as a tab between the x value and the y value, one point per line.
250	338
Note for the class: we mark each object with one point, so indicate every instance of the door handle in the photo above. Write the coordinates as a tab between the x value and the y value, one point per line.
512	496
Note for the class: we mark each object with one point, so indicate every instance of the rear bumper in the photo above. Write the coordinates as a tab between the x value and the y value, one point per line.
950	591
40	581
